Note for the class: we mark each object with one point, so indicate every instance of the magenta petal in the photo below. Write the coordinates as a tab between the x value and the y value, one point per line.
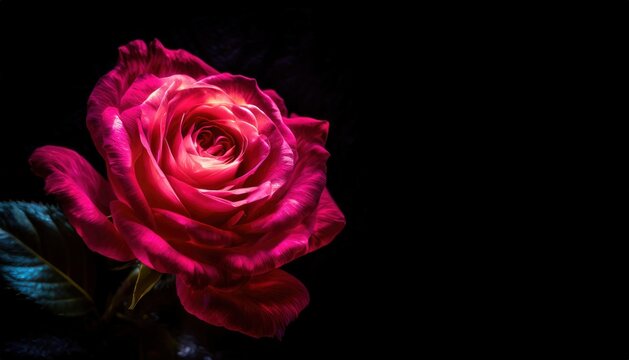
177	227
166	62
135	60
308	129
266	254
120	154
305	186
245	91
203	206
278	248
157	253
328	222
301	197
277	99
140	91
262	307
84	197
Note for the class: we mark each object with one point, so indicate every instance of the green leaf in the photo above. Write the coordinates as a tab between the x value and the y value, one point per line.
146	280
43	258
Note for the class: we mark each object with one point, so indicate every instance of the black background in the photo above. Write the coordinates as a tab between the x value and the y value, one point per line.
321	61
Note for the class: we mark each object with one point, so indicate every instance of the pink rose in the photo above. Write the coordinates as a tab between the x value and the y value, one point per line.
210	179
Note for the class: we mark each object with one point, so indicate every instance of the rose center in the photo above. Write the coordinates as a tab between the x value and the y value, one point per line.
212	141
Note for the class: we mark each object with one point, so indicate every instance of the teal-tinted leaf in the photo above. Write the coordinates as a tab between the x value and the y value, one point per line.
43	258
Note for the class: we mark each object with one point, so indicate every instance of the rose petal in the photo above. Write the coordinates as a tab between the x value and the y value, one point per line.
300	196
150	178
268	120
140	90
120	154
84	197
277	99
155	185
263	306
276	249
308	129
273	250
137	59
177	227
204	206
165	62
279	163
158	254
328	222
245	91
154	110
268	253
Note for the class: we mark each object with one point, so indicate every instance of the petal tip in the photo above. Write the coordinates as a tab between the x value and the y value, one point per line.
262	307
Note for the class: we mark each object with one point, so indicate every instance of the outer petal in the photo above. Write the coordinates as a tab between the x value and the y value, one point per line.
158	254
135	60
84	196
328	222
328	218
277	99
177	227
120	153
276	249
304	189
308	129
263	306
140	90
248	257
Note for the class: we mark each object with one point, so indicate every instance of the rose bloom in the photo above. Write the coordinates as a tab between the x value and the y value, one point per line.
210	179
